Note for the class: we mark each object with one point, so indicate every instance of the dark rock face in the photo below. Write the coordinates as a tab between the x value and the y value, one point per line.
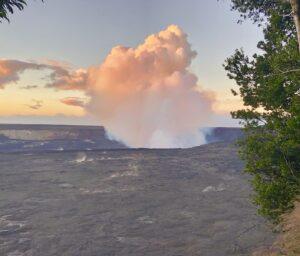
129	203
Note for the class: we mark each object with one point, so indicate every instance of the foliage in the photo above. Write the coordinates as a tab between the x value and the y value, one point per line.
7	6
260	10
269	84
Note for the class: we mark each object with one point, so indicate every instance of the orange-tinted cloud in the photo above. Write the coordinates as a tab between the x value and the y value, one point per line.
61	77
11	69
73	101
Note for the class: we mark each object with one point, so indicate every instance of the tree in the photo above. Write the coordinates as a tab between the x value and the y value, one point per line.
7	6
260	9
296	14
269	84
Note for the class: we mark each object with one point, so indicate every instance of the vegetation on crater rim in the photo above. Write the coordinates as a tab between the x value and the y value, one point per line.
269	84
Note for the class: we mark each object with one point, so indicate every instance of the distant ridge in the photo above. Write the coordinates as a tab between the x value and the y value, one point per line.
39	137
47	126
42	137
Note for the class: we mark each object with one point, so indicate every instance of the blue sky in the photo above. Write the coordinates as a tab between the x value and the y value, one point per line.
82	32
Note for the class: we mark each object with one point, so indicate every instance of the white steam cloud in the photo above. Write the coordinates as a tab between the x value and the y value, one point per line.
147	97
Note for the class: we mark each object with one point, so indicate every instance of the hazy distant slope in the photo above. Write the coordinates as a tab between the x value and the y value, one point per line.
25	138
228	134
51	132
28	138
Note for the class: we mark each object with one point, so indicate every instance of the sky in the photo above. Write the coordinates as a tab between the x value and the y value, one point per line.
80	34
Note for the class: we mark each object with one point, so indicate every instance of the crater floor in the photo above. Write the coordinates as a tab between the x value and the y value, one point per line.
128	202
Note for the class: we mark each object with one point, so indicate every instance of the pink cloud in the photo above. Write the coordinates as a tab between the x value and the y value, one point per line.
73	101
60	77
11	69
63	79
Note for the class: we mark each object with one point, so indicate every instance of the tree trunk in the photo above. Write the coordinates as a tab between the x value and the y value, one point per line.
296	14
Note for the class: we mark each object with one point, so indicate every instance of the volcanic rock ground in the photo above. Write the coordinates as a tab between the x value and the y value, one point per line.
129	202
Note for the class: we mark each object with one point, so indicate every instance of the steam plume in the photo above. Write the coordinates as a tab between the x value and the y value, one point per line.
146	96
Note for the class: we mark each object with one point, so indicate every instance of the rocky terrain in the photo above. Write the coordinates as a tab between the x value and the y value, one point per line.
128	202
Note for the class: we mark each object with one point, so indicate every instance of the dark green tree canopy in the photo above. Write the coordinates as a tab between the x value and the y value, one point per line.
269	84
